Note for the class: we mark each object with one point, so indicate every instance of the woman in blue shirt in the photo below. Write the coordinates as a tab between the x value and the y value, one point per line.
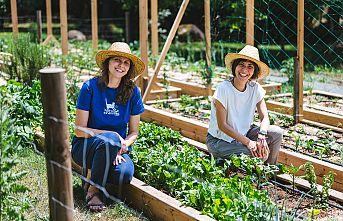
107	119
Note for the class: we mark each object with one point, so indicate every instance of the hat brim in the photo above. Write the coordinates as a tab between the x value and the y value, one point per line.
264	69
102	55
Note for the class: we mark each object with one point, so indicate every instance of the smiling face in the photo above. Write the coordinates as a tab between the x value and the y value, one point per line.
244	70
119	66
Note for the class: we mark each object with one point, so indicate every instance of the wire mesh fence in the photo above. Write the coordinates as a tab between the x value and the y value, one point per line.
111	29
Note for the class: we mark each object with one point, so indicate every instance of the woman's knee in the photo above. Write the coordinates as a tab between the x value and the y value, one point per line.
276	132
124	172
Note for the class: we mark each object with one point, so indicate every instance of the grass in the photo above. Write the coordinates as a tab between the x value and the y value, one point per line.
36	180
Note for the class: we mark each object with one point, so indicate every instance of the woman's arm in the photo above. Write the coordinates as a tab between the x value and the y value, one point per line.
221	115
133	130
81	129
263	115
262	145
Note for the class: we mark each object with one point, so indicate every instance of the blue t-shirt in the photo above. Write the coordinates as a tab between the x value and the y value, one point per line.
104	112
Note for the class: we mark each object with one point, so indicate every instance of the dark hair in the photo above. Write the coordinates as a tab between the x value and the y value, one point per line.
126	85
237	61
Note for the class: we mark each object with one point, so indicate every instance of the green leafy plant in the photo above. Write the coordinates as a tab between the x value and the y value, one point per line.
164	161
287	67
298	141
292	170
13	205
189	105
328	180
322	197
26	60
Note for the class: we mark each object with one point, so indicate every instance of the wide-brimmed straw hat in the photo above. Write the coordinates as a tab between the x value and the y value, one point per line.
120	49
250	53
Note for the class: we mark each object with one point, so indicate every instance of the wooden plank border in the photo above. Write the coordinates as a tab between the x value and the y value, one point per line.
334	194
312	115
200	90
157	205
197	131
152	202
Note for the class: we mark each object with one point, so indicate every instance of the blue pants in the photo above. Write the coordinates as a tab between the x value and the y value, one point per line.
99	155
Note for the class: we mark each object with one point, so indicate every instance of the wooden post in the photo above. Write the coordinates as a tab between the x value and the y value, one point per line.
154	27
58	159
50	35
143	38
296	104
250	22
39	25
48	17
207	10
14	17
94	24
166	47
127	26
299	67
64	26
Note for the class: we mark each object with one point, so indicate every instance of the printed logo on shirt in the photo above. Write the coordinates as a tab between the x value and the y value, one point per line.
111	109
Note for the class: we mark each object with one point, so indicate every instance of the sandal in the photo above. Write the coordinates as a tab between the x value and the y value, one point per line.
85	187
95	207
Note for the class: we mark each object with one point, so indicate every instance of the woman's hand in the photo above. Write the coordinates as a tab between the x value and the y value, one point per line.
259	148
263	146
119	159
252	146
124	147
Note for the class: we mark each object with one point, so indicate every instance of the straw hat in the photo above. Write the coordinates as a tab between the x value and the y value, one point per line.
120	49
250	53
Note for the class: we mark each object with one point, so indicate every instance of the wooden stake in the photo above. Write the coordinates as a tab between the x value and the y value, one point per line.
48	23
166	46
127	26
64	26
14	17
143	38
154	27
58	159
39	25
299	66
48	17
296	104
94	10
207	10
250	22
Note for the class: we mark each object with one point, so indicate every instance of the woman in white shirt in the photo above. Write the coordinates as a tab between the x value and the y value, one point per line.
233	107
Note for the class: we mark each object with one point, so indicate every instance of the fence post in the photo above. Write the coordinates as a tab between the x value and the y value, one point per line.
143	39
94	12
154	27
127	27
299	66
14	17
250	22
39	25
64	26
57	153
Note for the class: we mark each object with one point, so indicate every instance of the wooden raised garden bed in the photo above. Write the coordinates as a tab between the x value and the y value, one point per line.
200	90
320	111
197	131
152	202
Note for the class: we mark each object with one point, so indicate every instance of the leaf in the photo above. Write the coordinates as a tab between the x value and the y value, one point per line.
314	212
166	174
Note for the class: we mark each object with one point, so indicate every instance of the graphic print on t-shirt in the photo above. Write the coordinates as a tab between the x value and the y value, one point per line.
111	109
